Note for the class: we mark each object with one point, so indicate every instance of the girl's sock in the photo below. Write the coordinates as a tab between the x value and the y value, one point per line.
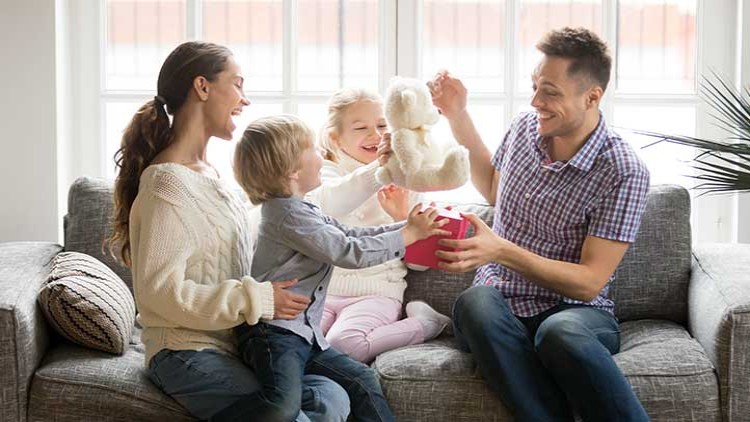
433	322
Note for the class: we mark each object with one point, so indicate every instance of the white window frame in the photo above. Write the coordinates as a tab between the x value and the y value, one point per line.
715	218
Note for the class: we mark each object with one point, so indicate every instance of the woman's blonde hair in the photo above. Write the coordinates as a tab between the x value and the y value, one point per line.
268	153
337	105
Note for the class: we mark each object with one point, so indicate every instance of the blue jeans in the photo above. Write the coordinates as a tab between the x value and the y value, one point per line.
550	365
206	382
281	358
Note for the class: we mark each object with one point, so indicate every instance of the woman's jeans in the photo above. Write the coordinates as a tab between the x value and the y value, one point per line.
207	382
280	359
549	366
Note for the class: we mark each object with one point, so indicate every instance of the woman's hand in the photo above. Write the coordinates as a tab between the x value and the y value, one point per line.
287	305
485	246
384	149
395	201
421	225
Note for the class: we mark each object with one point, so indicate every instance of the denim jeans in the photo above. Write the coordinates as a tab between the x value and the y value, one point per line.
549	366
280	359
206	382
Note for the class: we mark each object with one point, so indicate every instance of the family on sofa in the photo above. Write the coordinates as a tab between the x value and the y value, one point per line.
279	321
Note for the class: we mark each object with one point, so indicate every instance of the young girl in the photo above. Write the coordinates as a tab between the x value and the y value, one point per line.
363	307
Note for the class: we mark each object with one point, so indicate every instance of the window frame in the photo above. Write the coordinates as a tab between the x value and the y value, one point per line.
714	218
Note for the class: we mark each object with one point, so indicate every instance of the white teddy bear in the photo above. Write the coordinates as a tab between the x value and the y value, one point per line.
417	163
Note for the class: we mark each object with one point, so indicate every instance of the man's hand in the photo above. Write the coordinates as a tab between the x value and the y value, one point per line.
287	305
448	94
475	251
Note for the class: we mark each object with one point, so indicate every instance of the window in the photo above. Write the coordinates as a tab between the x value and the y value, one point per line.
295	53
291	64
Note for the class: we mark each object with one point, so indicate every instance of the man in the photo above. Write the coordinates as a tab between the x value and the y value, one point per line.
569	194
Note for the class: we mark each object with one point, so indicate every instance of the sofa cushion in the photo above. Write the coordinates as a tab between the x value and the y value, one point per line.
668	370
652	280
88	222
85	302
74	384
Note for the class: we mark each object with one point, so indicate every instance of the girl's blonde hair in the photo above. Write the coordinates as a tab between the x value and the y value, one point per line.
337	105
268	153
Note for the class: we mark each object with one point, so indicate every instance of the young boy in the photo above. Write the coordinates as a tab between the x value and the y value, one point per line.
277	163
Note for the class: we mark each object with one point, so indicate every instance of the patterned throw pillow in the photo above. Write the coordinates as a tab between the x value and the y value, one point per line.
87	303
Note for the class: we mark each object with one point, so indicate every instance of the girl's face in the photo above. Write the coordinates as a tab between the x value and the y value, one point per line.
362	126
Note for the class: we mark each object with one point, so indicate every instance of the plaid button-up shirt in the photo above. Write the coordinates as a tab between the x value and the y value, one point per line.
550	207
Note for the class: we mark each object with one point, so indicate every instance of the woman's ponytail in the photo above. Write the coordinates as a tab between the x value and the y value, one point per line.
146	136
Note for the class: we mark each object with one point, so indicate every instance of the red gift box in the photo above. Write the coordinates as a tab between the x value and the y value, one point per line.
422	252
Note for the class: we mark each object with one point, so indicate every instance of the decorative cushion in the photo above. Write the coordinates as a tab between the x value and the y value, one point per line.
87	303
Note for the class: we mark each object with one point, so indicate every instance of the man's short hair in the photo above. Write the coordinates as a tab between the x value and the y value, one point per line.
588	53
269	152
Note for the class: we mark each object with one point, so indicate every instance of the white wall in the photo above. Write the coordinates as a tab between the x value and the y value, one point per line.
28	121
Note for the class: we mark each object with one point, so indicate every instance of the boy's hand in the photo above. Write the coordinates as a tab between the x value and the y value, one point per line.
421	225
384	149
287	305
395	201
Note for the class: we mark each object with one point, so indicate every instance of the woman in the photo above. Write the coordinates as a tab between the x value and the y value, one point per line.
186	237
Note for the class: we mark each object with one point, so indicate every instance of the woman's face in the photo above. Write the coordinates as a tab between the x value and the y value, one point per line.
362	126
226	100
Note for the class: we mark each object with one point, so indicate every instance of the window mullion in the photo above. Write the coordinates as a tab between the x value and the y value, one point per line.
289	59
387	42
609	31
512	57
409	31
194	20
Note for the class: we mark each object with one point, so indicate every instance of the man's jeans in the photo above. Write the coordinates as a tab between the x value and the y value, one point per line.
206	382
550	365
280	359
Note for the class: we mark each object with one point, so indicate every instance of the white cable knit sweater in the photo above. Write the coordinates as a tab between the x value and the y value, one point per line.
348	194
191	248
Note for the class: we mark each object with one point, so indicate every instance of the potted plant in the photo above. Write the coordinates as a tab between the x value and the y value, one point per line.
722	166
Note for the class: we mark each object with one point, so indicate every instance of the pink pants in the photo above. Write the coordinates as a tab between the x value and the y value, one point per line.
365	326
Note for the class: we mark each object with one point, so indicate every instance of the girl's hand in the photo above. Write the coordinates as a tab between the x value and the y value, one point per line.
421	225
395	201
384	149
287	305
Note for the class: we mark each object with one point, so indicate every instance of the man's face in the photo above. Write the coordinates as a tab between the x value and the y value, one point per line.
561	101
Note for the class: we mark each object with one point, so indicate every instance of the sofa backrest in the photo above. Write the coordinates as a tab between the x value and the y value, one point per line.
651	282
88	222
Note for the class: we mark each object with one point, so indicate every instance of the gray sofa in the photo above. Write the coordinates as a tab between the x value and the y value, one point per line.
685	321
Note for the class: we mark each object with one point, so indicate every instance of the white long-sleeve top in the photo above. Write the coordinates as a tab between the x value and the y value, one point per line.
348	193
191	250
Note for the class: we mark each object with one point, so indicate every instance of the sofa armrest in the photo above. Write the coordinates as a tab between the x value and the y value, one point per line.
24	335
719	318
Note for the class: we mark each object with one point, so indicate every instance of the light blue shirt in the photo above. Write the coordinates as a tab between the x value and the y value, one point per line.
295	240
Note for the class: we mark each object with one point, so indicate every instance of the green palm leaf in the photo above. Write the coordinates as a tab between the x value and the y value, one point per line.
723	166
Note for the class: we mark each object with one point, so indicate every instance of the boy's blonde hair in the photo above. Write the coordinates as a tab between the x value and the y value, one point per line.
337	105
268	153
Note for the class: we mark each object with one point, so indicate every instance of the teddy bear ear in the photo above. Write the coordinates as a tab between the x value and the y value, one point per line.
408	97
